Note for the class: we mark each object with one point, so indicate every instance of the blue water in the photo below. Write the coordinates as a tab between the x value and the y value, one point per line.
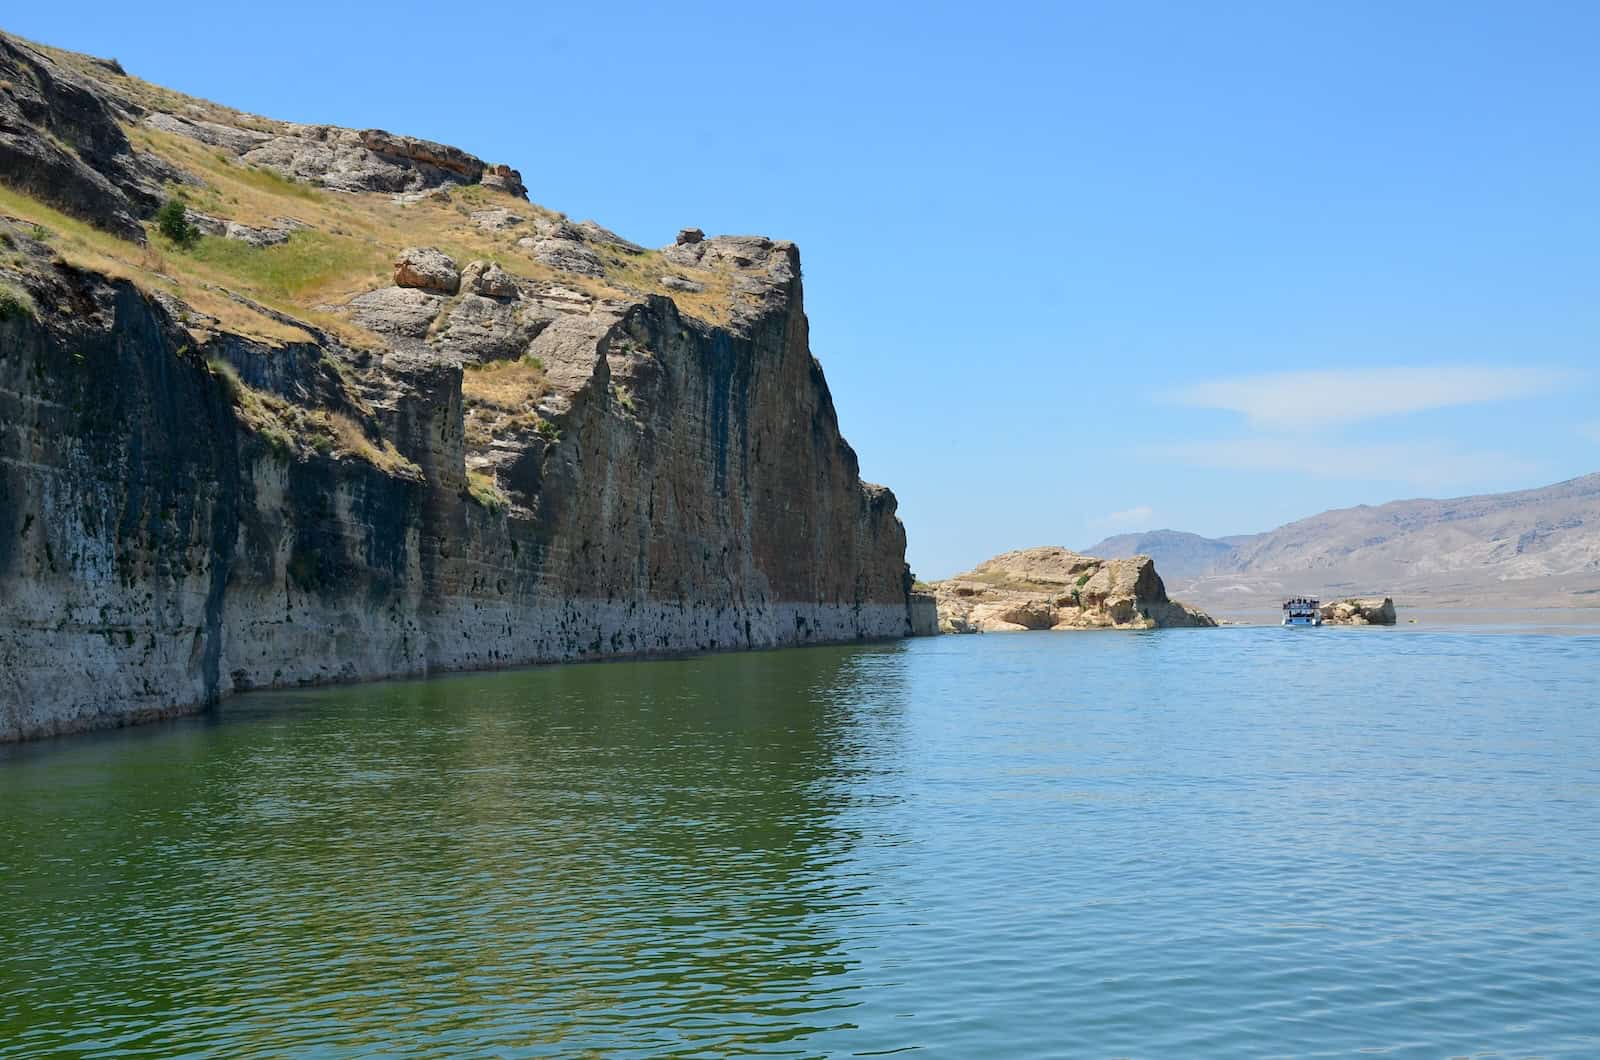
1225	843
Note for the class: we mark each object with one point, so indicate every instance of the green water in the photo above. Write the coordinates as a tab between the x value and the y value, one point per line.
1037	845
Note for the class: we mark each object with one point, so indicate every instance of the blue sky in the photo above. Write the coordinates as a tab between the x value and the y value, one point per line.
1072	269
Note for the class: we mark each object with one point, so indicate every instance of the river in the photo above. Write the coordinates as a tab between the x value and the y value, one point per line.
1187	843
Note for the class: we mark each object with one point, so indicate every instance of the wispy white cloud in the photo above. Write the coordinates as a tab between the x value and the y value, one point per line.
1139	516
1590	430
1428	465
1289	400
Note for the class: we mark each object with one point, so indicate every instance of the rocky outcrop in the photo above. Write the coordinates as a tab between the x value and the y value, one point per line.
367	160
1359	611
1055	588
598	234
488	279
498	219
275	234
504	179
397	313
411	150
499	469
564	248
60	140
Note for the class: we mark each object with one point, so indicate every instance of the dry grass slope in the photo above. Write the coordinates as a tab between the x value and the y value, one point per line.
361	234
511	386
349	247
500	400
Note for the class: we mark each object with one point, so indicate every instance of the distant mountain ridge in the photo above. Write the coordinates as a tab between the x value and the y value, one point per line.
1177	553
1535	547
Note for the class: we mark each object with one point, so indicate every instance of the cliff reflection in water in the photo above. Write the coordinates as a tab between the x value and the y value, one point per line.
647	851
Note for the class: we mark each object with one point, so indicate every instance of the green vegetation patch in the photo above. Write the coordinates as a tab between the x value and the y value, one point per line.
291	270
486	492
172	221
274	183
15	302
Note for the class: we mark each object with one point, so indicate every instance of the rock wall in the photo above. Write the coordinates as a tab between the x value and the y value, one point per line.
157	550
570	447
924	615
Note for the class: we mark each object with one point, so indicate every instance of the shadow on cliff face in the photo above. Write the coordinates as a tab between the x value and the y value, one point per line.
123	472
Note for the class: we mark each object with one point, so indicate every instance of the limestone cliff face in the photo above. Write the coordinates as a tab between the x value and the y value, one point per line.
1054	588
537	465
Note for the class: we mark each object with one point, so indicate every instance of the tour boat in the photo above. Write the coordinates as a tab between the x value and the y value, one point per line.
1302	611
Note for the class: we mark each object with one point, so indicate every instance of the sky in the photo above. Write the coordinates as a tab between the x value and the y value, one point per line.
1072	269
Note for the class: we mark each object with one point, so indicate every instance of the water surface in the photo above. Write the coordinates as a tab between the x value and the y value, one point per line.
1191	843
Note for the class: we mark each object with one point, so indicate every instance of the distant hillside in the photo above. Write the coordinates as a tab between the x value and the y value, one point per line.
1178	553
1538	547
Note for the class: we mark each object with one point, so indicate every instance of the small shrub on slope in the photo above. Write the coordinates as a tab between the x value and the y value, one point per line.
172	221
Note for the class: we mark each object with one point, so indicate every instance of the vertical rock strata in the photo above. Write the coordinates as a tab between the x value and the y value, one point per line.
155	553
189	510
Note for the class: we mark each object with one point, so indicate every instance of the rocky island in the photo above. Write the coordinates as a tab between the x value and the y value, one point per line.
1056	588
285	404
1359	611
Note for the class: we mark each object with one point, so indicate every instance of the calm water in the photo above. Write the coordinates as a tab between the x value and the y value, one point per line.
1230	843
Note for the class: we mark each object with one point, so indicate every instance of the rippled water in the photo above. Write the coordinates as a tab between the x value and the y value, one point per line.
1230	843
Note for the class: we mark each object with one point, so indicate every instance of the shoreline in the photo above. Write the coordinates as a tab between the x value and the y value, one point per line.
145	717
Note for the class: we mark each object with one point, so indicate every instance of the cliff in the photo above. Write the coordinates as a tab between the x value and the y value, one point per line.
1054	588
361	410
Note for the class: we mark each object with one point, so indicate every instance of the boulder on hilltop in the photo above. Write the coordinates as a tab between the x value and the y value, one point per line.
1056	588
